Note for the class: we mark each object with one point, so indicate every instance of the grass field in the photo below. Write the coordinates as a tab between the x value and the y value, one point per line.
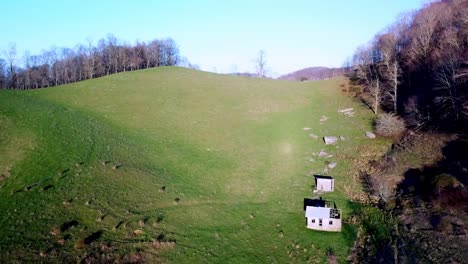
173	165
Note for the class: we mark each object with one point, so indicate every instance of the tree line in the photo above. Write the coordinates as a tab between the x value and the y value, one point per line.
57	66
418	67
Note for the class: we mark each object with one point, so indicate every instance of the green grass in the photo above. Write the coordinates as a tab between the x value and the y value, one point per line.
232	150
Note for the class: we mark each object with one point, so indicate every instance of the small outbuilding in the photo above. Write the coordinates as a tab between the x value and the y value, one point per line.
322	215
324	183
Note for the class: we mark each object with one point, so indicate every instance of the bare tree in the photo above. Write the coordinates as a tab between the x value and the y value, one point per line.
367	60
362	60
448	97
424	28
57	66
2	74
421	63
388	45
260	63
10	55
170	52
375	90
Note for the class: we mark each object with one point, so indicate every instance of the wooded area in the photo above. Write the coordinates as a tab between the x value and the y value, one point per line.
58	66
418	67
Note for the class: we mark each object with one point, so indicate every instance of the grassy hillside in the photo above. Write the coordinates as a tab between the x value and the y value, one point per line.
173	165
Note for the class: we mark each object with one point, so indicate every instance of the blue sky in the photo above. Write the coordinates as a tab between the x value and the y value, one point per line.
221	36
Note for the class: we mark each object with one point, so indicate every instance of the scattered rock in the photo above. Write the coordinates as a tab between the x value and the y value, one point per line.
138	232
349	112
370	135
162	189
325	170
342	138
307	128
323	119
117	166
346	110
330	140
281	234
322	153
329	156
332	165
313	136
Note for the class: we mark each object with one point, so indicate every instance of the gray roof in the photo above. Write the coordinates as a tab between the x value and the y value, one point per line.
317	212
323	177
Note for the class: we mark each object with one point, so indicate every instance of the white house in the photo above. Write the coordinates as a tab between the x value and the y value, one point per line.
322	215
324	183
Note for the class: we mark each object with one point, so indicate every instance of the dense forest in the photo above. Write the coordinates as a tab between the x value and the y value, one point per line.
58	66
414	77
418	67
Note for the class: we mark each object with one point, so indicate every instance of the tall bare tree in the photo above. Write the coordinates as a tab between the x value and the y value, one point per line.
260	63
10	55
2	74
388	45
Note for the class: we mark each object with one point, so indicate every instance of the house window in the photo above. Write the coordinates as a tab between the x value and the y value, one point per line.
330	222
320	222
313	221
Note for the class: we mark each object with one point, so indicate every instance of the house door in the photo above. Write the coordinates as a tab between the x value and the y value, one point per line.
320	222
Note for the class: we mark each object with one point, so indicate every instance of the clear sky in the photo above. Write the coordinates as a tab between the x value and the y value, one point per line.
221	36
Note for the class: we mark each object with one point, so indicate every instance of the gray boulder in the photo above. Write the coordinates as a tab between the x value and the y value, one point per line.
330	140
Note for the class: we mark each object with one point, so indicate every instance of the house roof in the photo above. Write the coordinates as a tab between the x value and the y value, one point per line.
318	203
313	202
323	177
317	212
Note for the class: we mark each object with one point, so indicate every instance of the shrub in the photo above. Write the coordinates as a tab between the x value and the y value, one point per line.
354	89
389	125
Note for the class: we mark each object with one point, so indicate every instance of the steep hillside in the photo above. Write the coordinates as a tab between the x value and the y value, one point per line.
174	165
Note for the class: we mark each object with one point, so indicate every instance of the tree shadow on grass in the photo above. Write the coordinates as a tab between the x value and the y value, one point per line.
444	181
68	225
349	233
93	237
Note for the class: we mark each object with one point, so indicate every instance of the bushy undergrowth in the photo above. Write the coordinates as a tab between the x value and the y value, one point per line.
389	125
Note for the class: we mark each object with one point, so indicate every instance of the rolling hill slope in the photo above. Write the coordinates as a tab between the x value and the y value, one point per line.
173	165
313	73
